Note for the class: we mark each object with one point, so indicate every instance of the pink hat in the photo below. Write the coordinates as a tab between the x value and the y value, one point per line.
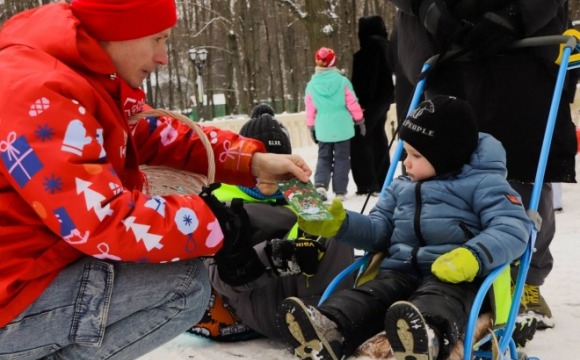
326	56
118	20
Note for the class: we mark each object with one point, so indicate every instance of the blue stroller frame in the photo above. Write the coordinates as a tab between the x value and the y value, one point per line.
506	345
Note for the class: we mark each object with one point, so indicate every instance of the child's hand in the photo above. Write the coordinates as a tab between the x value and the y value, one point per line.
362	128
325	228
456	266
313	134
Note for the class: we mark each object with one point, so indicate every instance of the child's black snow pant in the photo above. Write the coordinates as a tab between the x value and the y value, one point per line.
360	312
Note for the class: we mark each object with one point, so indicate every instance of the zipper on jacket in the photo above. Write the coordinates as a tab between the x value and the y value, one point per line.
417	228
417	218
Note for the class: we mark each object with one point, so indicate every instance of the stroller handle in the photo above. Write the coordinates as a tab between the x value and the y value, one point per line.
568	39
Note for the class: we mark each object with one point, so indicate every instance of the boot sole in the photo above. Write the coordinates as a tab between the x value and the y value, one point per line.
299	333
406	332
525	329
543	321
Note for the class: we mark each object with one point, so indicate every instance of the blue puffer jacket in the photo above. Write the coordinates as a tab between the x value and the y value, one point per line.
415	222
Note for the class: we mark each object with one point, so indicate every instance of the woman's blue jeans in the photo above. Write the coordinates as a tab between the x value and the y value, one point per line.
109	310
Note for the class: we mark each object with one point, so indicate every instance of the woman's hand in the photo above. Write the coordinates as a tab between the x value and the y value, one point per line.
269	168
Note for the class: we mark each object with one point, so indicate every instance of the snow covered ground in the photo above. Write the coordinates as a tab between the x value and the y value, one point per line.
561	290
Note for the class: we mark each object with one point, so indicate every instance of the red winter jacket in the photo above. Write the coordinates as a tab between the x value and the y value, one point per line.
69	179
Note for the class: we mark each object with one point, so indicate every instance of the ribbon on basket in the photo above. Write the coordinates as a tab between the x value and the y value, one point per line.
163	180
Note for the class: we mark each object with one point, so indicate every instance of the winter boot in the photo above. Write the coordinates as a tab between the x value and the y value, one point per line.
307	333
408	333
322	192
534	304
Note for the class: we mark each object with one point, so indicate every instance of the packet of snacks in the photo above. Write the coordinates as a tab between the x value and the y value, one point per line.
304	199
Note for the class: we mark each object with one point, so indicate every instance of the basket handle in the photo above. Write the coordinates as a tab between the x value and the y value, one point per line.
193	125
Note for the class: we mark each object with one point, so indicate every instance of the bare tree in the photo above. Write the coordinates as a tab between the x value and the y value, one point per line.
259	50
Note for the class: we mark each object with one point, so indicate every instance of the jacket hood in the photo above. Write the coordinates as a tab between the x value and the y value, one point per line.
489	156
327	81
369	27
61	37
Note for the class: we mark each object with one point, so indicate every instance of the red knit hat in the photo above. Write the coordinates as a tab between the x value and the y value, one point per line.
118	20
326	56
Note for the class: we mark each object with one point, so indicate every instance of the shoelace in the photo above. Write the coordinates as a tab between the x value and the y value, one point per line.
531	294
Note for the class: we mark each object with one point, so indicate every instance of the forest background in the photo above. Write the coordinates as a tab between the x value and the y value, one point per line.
258	50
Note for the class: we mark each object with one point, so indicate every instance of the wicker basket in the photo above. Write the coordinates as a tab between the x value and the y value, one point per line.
162	180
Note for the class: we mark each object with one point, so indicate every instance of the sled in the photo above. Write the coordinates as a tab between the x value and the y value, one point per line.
503	344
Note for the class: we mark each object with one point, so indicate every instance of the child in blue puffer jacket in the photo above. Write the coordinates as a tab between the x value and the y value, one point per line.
443	227
332	110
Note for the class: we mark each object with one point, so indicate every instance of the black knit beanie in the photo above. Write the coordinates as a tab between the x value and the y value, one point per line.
444	130
270	131
261	109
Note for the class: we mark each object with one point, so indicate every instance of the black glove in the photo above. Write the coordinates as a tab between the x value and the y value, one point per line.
237	261
313	135
308	255
281	255
439	22
495	31
362	128
291	257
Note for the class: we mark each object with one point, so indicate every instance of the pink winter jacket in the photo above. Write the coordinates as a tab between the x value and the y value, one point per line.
332	107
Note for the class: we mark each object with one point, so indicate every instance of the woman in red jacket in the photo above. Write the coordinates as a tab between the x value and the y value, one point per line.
83	251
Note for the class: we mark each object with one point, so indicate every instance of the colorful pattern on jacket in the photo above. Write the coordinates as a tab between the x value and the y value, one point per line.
70	185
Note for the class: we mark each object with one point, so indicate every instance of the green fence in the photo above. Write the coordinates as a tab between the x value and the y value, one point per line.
218	111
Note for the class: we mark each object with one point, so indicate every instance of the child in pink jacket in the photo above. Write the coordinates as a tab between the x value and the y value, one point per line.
332	110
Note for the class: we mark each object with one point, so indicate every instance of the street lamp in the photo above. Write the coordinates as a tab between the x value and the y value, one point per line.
198	57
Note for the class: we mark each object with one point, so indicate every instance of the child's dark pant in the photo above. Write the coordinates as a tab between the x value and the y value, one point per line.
360	312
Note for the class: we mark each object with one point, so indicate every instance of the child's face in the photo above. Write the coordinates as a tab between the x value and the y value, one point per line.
417	166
